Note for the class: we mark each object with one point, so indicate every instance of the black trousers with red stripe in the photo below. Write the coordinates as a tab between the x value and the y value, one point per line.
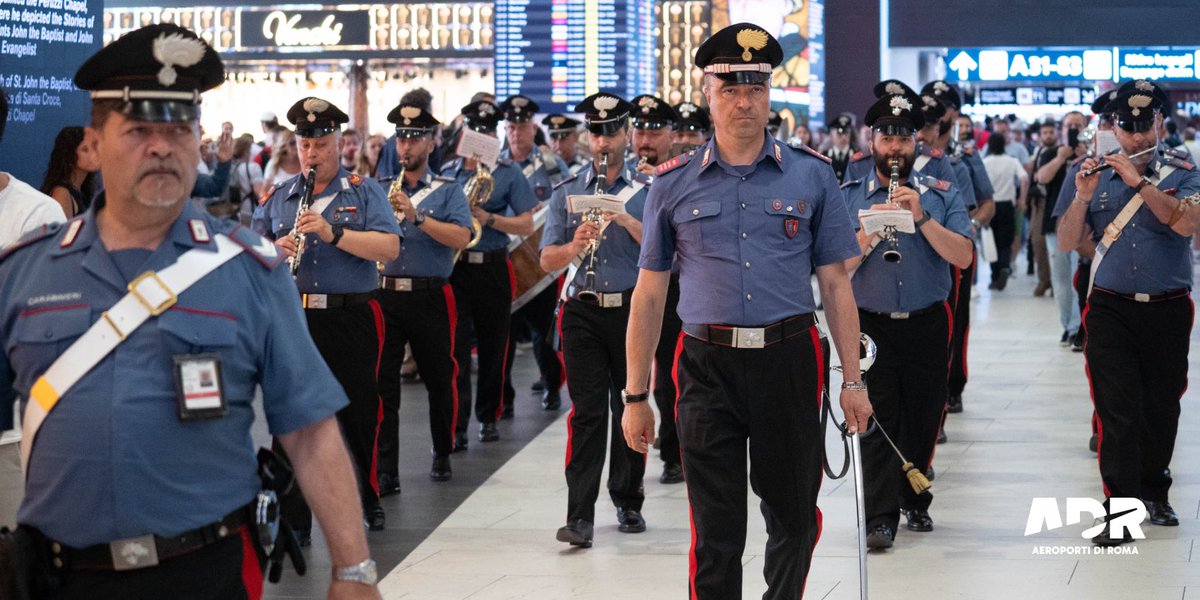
231	569
908	393
593	345
425	319
771	397
1137	365
664	378
960	305
536	318
350	340
483	295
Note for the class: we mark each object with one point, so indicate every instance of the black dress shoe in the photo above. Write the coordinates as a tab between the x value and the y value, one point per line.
1161	513
1104	539
631	521
551	400
880	536
488	432
576	533
460	441
941	435
440	471
373	518
538	386
918	520
954	404
1094	443
389	485
671	474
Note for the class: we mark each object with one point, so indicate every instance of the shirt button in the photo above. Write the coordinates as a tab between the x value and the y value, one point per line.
743	177
747	264
749	297
743	235
743	205
789	209
695	212
49	334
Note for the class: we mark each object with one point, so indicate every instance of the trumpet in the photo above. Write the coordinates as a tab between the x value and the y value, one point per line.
588	293
892	254
305	202
1104	164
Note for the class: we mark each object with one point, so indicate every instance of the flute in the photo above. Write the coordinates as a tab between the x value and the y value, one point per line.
1104	165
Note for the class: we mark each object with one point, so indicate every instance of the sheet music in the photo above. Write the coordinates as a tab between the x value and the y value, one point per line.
473	144
874	221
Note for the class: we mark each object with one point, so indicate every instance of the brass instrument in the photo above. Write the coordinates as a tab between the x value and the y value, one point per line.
396	188
305	203
478	190
594	215
892	254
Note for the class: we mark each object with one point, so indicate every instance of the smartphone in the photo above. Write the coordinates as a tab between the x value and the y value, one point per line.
1072	137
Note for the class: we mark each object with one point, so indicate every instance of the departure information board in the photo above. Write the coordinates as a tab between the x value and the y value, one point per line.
558	52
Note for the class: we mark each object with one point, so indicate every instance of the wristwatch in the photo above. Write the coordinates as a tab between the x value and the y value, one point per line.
419	219
338	230
364	573
923	219
491	219
627	398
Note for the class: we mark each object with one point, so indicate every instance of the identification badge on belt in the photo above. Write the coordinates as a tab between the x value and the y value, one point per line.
198	383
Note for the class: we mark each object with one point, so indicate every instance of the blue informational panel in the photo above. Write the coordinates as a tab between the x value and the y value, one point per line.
42	43
558	52
1078	64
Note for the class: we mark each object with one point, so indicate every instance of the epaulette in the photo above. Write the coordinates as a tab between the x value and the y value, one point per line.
444	179
573	177
1176	152
257	246
270	192
930	151
673	163
860	155
28	239
643	178
798	145
1179	163
504	161
930	181
850	183
355	179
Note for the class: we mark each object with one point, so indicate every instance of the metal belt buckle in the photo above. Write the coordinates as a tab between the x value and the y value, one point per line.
155	309
316	301
1141	297
134	553
610	300
749	337
1113	232
403	284
475	258
899	315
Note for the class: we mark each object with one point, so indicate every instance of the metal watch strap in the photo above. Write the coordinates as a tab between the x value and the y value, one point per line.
364	572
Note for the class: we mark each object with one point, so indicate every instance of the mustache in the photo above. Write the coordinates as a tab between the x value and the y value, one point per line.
161	169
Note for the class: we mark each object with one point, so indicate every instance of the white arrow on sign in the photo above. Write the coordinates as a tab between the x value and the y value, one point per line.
964	64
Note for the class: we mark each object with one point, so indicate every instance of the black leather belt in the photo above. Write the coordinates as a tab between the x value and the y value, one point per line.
1170	295
320	301
410	284
147	550
603	299
936	306
751	337
478	258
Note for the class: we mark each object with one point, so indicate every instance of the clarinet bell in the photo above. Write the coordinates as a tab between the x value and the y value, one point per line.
588	293
891	255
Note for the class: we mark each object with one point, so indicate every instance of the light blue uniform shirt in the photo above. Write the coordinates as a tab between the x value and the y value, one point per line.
539	176
511	196
748	238
358	205
617	255
113	460
420	254
921	277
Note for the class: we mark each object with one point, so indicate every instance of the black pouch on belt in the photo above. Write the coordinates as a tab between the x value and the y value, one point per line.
275	536
24	565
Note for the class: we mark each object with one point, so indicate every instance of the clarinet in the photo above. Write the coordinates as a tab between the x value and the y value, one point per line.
305	203
892	254
589	276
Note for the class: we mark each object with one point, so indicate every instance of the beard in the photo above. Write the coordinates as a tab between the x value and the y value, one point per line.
160	187
651	155
883	164
413	163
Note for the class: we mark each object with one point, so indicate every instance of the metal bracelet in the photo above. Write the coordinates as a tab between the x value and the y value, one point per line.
854	386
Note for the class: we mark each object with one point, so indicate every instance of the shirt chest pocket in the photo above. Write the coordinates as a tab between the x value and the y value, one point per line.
698	225
788	223
41	336
191	331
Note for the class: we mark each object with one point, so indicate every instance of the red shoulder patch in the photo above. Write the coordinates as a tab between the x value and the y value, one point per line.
815	153
355	179
942	185
858	156
672	164
266	196
935	153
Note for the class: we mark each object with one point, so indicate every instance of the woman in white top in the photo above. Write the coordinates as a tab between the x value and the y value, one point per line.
1010	183
284	163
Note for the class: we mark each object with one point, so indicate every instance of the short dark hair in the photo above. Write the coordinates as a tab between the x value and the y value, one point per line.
3	111
351	131
101	109
996	144
1049	122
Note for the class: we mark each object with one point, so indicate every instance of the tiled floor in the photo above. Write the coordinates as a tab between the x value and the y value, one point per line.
1023	435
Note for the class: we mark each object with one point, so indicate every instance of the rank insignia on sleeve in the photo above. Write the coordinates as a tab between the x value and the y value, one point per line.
791	226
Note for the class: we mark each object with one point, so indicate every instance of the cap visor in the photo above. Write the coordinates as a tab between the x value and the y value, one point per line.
1134	126
894	127
409	133
608	128
649	124
161	111
315	131
746	77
